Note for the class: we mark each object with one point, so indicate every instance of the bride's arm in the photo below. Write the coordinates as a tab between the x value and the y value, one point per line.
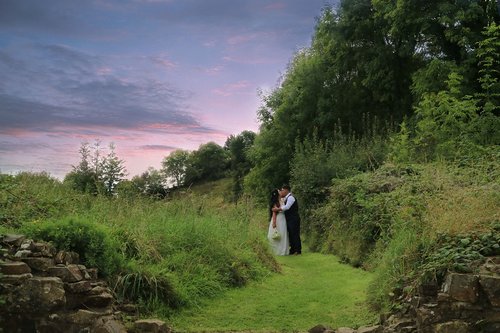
274	219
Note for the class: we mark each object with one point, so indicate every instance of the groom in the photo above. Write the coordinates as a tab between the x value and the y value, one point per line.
291	210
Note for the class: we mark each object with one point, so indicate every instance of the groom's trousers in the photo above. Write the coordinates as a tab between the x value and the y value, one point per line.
293	227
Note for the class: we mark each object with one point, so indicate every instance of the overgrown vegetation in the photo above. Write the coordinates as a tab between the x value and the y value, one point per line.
161	254
387	127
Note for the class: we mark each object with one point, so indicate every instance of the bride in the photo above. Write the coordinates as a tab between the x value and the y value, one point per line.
277	234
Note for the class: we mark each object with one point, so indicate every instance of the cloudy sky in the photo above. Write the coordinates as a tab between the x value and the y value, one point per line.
150	76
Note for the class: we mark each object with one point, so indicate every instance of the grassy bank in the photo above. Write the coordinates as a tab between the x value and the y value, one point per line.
411	223
312	289
162	254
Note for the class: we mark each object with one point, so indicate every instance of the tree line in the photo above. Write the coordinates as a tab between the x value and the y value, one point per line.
105	174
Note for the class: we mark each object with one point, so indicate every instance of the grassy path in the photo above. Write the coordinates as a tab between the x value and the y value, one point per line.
312	289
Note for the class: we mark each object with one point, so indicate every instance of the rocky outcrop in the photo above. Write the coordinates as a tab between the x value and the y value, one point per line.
465	303
45	290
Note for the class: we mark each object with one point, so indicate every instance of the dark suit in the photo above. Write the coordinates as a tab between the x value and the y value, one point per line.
293	227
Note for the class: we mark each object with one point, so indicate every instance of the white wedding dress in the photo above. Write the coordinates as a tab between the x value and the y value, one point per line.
281	247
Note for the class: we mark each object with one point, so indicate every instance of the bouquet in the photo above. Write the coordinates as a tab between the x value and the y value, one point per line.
275	235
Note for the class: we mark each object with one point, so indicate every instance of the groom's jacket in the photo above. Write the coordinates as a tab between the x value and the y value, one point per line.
292	214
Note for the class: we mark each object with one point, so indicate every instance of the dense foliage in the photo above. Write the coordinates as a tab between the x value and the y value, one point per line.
434	63
387	127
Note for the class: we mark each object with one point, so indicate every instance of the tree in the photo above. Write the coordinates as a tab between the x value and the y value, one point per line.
83	177
238	148
150	183
96	174
174	166
113	171
369	59
209	162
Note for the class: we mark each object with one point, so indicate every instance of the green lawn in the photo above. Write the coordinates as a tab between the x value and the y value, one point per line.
312	289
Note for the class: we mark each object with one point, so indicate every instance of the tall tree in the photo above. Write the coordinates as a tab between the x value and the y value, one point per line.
113	170
175	165
83	177
209	162
238	147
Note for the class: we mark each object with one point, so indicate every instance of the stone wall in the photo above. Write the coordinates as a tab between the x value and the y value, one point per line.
48	291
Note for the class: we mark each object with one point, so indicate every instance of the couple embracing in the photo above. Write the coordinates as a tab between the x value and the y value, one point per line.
284	229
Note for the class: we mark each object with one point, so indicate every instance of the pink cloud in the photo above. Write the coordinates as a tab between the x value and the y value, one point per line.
275	6
240	39
212	70
232	88
210	43
104	71
164	62
248	60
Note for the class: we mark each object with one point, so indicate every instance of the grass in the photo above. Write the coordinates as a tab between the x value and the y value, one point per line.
312	289
168	253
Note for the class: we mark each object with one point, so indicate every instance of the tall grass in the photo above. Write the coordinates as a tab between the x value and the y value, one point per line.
168	253
410	223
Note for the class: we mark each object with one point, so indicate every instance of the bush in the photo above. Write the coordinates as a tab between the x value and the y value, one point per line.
92	241
147	286
359	213
31	196
316	163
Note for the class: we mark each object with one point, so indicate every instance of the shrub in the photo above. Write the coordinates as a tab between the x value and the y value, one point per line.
146	285
359	213
316	163
31	196
92	241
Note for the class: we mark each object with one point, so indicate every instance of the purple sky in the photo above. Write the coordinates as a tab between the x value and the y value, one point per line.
149	75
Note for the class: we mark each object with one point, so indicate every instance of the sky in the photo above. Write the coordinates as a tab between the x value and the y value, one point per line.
150	76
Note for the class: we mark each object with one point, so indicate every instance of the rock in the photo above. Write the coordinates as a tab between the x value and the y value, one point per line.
36	295
491	287
13	240
151	326
128	308
39	264
83	269
70	273
85	317
370	329
462	287
464	306
100	300
490	328
429	289
67	258
47	293
14	268
318	329
78	287
22	254
397	323
425	316
345	330
456	326
4	252
93	273
45	249
15	279
27	244
108	326
99	289
443	297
